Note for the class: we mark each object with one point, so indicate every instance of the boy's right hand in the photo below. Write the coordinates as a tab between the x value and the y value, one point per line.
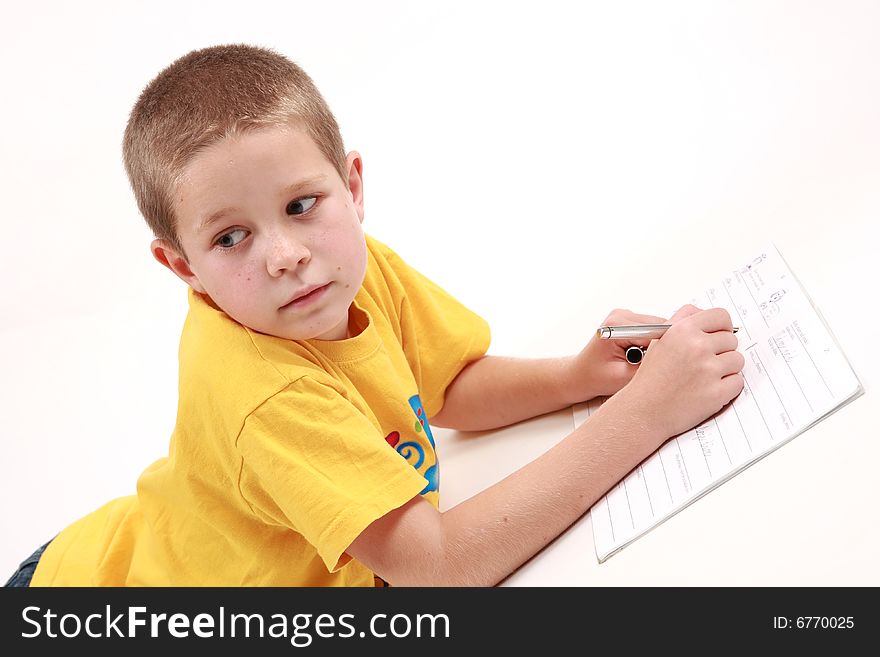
689	374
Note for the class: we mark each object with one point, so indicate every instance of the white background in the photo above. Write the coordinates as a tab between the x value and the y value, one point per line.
545	162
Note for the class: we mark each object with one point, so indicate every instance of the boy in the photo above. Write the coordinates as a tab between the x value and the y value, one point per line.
312	359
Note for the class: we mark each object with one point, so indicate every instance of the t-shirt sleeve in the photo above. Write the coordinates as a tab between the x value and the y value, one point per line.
312	462
440	335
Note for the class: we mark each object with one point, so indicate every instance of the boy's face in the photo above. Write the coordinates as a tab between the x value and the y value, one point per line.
284	225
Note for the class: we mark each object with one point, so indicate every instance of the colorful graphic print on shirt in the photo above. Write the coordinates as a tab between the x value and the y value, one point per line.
414	451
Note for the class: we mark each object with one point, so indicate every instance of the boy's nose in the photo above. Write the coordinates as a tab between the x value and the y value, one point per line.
285	252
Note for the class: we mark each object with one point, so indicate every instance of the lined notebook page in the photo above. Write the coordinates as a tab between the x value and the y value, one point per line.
795	374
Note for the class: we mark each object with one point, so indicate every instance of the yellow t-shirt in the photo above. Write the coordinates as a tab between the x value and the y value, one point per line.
284	451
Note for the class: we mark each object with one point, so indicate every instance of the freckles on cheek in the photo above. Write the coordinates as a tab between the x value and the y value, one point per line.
242	280
247	272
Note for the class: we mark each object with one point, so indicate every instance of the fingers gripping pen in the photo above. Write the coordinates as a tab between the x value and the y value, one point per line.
635	353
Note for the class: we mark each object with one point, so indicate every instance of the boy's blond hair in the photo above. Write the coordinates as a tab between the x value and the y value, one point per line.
208	95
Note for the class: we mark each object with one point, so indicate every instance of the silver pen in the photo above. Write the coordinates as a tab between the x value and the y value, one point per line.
635	331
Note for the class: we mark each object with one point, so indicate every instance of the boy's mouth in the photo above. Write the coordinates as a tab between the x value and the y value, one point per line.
306	296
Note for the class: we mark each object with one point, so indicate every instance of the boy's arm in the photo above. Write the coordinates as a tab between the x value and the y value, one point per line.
688	375
495	391
485	538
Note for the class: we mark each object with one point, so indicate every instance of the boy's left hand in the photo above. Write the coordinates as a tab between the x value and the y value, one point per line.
601	368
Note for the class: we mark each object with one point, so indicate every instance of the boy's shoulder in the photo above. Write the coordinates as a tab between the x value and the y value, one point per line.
388	275
381	255
227	360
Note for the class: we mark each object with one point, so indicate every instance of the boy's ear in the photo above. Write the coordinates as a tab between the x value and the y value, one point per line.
167	255
355	167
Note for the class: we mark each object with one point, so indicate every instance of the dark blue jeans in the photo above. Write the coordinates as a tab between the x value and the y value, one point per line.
22	576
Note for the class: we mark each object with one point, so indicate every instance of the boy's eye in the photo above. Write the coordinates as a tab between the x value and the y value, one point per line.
301	205
226	241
